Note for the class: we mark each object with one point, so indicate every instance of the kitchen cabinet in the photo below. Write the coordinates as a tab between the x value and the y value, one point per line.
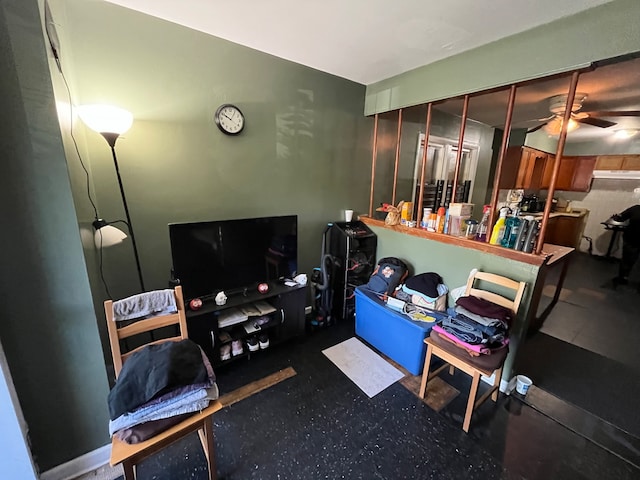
631	162
522	167
583	174
531	168
618	162
574	173
510	165
565	229
609	162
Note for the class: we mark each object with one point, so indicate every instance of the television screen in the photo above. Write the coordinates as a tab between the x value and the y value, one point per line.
225	255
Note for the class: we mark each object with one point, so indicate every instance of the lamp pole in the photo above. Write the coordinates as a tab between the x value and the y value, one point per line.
111	140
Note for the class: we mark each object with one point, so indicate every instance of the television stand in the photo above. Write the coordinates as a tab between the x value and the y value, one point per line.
246	320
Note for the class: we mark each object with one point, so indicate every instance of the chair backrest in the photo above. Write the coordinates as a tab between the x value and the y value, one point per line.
517	287
119	331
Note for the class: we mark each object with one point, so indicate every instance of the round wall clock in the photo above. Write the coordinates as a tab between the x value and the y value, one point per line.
229	119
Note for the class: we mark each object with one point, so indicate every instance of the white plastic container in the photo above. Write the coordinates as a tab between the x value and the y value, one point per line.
522	384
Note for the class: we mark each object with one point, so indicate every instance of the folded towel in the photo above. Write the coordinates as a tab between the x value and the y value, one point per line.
146	304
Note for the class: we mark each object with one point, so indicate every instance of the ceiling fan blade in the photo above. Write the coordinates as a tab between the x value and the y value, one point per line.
596	122
536	128
615	113
546	119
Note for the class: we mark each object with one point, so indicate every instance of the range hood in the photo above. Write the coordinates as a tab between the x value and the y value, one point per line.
617	174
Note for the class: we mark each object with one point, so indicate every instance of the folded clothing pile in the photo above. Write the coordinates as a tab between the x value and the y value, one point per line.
425	290
158	387
477	327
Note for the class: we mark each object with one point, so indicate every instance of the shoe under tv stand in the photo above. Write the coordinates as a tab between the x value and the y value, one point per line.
286	321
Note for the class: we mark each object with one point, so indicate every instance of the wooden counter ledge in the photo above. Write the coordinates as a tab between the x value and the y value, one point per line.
550	253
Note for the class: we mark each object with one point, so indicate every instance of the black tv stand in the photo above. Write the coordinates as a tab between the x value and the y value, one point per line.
285	321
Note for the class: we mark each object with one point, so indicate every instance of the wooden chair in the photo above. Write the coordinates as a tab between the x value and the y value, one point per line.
202	422
454	357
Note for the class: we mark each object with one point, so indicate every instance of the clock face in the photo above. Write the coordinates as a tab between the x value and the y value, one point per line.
229	119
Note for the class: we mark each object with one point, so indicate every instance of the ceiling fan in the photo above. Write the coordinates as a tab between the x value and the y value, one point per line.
557	105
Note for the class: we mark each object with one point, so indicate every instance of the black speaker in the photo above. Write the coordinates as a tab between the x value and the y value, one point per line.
353	248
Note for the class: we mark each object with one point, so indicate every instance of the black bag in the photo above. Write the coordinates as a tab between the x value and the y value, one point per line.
389	273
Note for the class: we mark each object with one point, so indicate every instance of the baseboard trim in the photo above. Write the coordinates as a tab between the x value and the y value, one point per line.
79	465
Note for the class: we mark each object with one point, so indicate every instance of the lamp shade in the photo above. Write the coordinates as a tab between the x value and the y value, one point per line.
107	235
106	118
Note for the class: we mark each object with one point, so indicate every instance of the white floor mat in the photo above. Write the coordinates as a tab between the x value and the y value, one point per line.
364	367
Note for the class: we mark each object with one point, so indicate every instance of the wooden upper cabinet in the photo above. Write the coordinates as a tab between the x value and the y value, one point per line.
574	173
522	168
538	159
618	162
547	171
565	173
609	162
631	162
525	168
510	166
528	168
583	174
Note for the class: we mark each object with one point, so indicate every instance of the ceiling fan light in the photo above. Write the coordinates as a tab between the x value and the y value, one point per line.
625	133
554	127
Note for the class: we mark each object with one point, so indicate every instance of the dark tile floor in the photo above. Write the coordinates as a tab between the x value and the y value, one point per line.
587	349
318	424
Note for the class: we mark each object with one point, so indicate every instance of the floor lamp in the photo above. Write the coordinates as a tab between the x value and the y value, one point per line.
111	122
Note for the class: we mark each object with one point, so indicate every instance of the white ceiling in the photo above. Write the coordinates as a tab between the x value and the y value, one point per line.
361	40
370	40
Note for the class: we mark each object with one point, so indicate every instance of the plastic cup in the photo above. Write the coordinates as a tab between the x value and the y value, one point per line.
348	215
522	384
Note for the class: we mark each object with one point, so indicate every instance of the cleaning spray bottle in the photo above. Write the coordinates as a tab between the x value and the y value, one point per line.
498	228
483	226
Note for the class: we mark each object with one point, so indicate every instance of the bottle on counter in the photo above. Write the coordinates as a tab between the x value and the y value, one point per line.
431	224
440	218
483	226
424	222
498	228
532	236
446	222
511	230
522	232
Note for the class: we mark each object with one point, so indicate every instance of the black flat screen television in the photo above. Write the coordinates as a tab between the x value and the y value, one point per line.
227	255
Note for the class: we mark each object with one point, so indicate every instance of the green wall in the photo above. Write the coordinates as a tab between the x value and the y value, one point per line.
305	149
602	32
48	322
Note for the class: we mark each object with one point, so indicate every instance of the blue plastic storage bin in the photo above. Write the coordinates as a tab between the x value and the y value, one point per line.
391	332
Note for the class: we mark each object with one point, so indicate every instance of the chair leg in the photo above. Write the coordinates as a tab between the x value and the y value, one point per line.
496	383
471	401
129	470
210	450
425	371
